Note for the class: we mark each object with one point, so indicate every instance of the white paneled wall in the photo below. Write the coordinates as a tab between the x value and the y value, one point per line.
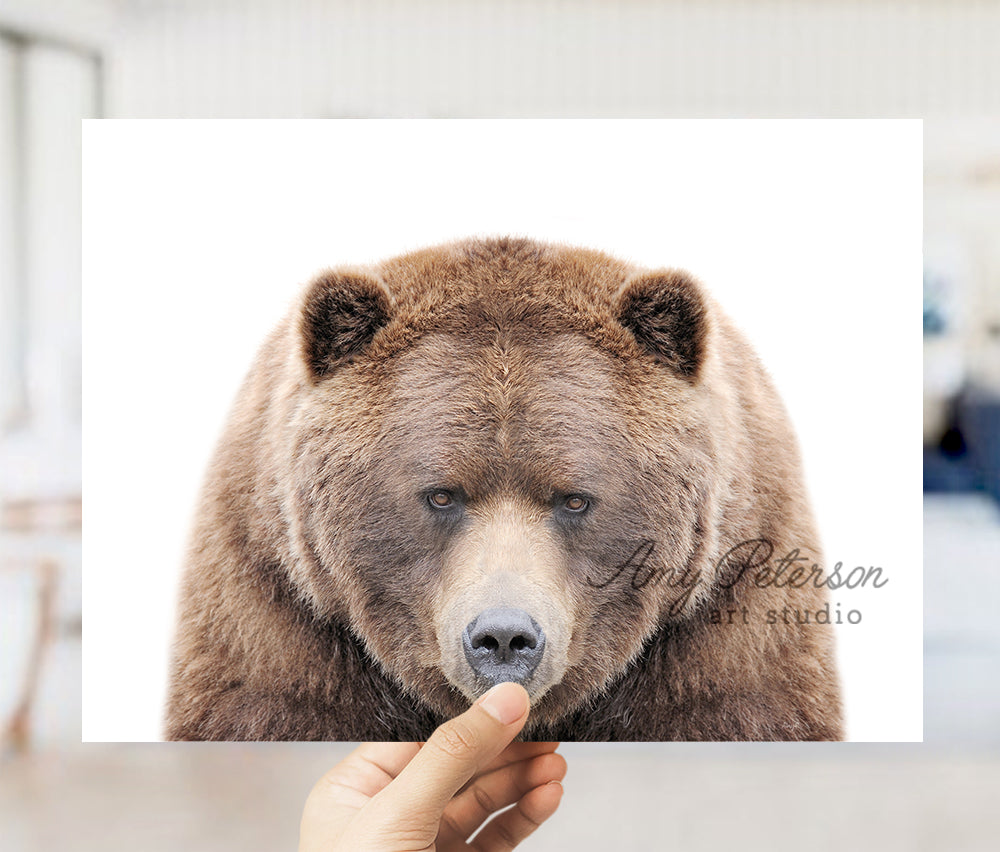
315	58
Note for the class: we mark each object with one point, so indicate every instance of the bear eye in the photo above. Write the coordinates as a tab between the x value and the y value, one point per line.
576	504
441	499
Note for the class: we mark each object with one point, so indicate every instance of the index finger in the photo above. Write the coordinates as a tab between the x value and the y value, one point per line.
514	753
456	751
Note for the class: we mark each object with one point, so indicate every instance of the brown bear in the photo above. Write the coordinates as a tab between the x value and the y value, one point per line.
503	460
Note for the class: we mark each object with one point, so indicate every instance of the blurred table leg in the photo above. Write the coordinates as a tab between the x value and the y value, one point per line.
17	730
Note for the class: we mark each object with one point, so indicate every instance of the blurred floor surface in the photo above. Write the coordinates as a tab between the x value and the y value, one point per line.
248	798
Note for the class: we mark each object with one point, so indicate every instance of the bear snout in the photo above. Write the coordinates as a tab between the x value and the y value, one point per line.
503	644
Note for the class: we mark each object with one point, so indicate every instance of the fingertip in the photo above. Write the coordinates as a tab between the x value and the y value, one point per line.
541	802
546	767
553	792
560	766
506	702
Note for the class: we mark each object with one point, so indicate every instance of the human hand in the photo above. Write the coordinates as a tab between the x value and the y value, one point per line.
406	797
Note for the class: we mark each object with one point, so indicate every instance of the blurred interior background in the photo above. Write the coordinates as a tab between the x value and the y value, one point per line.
61	61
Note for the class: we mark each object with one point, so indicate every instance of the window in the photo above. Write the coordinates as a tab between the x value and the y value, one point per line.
46	88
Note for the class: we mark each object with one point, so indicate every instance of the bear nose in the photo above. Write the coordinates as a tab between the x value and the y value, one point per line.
503	644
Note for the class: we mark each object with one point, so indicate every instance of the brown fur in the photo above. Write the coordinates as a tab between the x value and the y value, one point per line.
321	599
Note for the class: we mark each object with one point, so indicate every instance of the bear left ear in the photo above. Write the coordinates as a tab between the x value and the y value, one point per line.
666	314
341	314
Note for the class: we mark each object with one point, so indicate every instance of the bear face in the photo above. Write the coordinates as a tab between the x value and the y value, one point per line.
494	461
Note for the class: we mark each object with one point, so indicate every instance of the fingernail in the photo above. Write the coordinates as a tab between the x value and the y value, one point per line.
506	702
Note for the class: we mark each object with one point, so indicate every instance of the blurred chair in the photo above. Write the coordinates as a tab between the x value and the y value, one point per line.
39	536
978	418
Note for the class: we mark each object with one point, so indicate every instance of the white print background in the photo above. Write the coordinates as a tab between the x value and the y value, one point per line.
197	235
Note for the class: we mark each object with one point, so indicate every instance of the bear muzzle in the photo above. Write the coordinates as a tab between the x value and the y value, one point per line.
503	644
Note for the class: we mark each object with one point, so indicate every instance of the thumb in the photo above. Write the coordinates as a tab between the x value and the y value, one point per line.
455	752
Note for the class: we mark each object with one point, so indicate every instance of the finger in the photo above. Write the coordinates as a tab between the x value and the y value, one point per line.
514	753
455	752
506	830
368	769
390	758
343	791
495	791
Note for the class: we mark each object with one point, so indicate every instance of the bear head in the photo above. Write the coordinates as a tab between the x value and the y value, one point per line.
503	465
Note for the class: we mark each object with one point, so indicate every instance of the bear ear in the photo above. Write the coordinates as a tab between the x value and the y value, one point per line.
666	314
340	316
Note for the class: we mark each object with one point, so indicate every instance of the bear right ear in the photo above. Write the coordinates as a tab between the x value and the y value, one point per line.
666	314
340	316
